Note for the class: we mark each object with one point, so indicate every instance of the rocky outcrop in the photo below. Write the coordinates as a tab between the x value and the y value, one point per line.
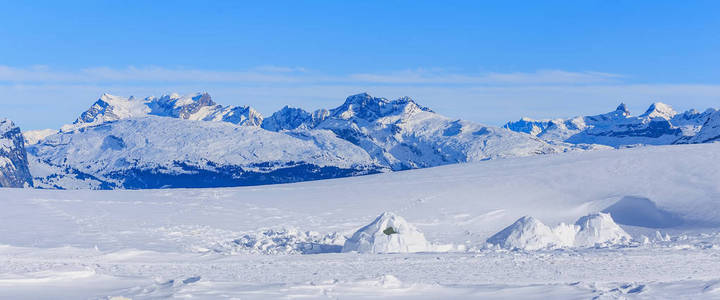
14	170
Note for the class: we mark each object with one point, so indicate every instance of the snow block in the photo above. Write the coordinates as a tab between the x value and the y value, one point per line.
389	233
599	228
526	233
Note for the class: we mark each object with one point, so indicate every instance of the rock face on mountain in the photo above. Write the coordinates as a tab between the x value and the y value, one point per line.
709	131
289	118
14	170
659	125
190	141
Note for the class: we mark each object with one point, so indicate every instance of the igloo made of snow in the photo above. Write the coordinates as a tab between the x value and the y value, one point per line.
388	233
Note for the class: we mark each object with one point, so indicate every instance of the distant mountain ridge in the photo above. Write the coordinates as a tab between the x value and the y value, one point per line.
658	125
191	141
177	141
199	106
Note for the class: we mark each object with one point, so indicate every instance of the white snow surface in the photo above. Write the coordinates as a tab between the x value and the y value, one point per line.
221	243
388	233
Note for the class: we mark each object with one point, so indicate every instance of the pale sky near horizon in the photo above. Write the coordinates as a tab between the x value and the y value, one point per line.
488	62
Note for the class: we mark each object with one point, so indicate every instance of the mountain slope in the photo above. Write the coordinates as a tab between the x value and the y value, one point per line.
155	152
708	133
14	170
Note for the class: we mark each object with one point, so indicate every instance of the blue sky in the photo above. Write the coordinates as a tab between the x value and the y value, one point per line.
484	61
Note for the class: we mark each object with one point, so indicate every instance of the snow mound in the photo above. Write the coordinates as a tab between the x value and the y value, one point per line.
282	242
389	233
599	229
528	233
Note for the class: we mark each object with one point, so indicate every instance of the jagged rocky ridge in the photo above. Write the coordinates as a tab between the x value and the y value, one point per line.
14	170
659	125
168	142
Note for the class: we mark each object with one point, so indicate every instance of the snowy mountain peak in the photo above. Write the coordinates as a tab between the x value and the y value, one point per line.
623	108
288	118
109	108
659	110
182	107
368	108
198	106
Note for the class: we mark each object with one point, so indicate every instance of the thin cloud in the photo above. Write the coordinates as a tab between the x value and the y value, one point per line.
290	75
538	77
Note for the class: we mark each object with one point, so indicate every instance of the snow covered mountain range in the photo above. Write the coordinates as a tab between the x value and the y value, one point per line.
659	125
190	141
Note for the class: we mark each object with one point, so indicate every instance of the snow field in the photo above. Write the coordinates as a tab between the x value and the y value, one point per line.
213	243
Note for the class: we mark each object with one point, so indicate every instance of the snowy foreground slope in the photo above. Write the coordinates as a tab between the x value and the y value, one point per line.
285	241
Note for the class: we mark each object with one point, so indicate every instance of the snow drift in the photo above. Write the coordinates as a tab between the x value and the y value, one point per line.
389	233
528	233
282	242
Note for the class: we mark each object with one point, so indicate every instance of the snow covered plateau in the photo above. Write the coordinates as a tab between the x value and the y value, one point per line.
630	223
